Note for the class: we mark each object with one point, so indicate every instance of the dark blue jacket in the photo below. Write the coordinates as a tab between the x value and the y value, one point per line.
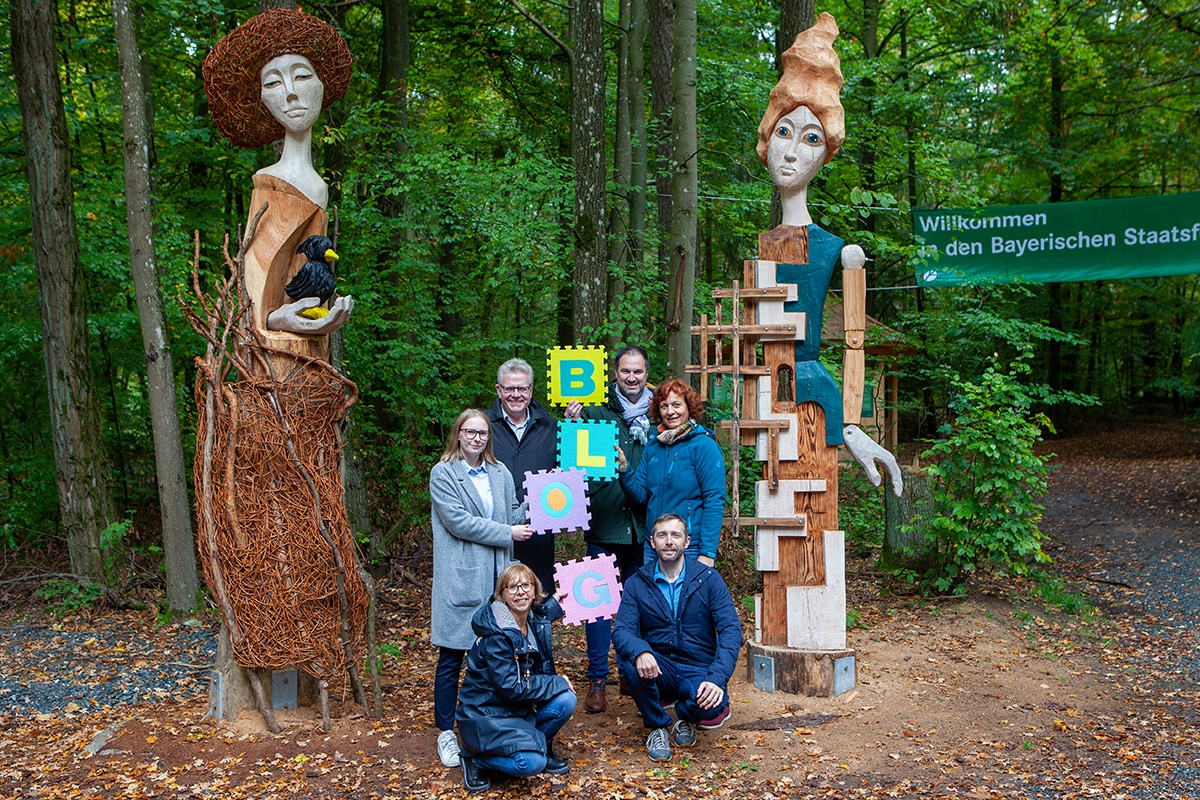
496	702
685	478
536	451
706	633
615	518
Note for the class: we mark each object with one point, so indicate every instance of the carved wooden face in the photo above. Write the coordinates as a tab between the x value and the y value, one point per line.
292	91
796	149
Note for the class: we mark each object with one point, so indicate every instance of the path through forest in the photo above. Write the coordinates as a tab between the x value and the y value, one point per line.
986	696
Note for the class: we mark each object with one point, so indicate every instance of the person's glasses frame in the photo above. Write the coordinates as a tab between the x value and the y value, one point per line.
473	434
519	588
515	391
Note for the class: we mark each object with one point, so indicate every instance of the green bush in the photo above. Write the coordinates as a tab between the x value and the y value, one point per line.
987	482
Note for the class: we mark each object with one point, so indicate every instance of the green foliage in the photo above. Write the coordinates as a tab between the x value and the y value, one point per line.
860	511
67	597
1053	590
987	482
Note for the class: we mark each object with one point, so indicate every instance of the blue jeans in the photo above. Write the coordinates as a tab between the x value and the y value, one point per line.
599	633
676	683
551	716
445	686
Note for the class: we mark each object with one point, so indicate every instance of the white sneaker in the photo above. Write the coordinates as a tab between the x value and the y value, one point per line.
448	749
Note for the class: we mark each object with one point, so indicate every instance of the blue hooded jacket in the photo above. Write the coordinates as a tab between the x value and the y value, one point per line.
705	633
506	677
686	478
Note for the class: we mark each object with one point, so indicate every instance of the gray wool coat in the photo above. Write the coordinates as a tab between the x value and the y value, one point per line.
469	550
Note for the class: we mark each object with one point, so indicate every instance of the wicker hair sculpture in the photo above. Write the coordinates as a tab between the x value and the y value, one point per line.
812	77
232	70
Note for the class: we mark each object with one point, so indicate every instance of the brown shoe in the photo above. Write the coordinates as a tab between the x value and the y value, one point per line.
596	701
623	687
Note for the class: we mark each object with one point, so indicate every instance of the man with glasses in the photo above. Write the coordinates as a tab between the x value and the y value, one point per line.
677	638
615	528
525	439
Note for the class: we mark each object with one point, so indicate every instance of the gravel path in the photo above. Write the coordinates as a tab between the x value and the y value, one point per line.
53	668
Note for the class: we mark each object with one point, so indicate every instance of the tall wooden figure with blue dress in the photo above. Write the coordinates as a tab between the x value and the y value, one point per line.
803	416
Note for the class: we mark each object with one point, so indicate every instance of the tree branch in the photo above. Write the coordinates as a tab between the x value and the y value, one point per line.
546	30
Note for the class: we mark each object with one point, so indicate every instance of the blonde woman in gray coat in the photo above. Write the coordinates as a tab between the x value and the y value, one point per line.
476	519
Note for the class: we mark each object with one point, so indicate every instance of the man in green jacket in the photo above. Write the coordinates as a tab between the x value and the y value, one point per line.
616	528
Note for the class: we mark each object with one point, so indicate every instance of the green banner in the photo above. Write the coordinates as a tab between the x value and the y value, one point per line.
1134	237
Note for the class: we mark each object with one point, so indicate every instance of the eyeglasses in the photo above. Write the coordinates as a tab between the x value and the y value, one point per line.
519	588
515	391
473	434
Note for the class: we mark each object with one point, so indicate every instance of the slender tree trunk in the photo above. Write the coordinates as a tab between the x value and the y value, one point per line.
637	116
182	582
587	152
681	288
80	463
619	210
662	43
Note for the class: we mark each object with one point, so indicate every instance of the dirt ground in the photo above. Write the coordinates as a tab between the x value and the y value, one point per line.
991	695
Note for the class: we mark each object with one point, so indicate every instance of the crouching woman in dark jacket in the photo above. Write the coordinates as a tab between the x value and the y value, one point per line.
512	703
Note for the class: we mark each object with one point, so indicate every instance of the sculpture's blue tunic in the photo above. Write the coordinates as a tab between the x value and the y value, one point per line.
813	381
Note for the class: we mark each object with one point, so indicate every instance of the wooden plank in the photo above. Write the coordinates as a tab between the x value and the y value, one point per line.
786	244
853	377
749	357
854	298
702	329
773	522
766	291
774	610
727	330
726	370
758	424
817	614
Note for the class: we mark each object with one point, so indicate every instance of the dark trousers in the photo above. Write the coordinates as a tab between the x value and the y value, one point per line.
537	553
445	686
677	683
599	633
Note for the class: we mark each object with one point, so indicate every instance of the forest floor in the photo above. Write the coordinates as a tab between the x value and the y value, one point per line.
992	695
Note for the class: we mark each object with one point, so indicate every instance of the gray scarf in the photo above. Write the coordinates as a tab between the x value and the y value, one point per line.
636	414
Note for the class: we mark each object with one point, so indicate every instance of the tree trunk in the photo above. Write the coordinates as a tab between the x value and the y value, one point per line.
619	209
681	288
662	44
627	227
587	153
180	560
637	116
80	463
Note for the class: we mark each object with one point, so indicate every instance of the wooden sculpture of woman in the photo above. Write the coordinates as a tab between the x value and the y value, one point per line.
801	131
269	80
275	540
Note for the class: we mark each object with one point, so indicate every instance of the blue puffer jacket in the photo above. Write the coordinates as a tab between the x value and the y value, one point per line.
685	478
506	676
706	632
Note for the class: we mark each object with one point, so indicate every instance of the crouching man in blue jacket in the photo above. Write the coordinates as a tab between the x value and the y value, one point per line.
677	638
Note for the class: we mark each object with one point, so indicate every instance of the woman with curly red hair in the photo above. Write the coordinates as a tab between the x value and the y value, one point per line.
682	470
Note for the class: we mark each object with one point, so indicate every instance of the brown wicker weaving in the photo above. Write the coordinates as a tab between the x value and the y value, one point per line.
277	548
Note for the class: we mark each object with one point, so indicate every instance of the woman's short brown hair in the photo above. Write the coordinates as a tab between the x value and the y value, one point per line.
681	388
453	451
518	573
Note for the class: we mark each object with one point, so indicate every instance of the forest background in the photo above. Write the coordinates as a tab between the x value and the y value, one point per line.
511	176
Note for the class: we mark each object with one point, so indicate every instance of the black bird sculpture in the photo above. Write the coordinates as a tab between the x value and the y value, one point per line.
315	278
